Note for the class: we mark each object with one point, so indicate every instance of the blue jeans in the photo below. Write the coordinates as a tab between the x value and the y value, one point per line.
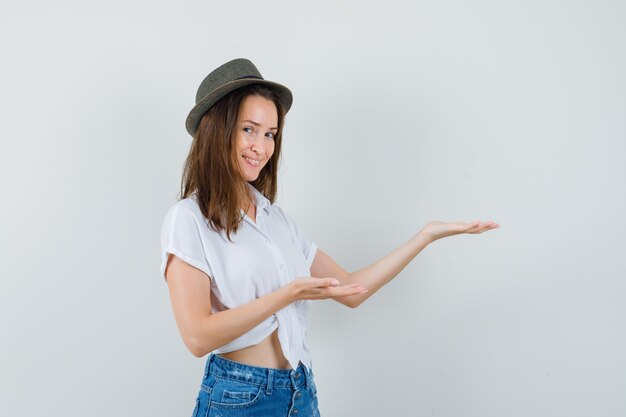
232	389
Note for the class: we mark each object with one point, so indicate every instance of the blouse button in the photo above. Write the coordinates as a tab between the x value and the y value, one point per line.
281	266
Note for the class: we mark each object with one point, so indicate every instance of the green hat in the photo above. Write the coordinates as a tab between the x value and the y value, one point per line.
226	78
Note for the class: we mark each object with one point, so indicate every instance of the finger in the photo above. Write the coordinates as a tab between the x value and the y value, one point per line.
470	227
473	227
487	226
342	291
330	282
323	282
346	290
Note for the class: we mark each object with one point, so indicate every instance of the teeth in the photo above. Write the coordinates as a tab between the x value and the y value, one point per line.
252	161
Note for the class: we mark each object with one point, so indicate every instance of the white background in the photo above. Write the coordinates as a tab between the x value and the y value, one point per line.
403	112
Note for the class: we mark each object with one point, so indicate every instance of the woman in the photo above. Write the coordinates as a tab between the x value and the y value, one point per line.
240	271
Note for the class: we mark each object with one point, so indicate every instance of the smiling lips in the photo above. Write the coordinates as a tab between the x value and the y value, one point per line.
254	162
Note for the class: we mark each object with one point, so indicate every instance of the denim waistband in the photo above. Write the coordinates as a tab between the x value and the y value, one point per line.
269	377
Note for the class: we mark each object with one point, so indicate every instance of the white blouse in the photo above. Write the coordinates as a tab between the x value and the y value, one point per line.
263	257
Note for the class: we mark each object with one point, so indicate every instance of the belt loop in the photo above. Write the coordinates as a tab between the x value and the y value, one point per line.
206	367
270	381
307	376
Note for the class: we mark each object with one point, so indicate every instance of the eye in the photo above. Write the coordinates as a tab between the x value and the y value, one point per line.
271	134
244	129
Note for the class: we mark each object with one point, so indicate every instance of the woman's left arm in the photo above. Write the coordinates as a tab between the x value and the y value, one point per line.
376	275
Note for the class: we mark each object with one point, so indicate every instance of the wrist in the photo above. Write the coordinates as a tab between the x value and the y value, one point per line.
286	294
423	239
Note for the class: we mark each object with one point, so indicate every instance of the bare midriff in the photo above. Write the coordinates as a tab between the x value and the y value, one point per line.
267	354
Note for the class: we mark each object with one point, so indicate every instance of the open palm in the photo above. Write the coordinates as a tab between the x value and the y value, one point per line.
436	230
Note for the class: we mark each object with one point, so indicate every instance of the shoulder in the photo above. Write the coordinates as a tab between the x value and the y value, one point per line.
189	204
279	212
284	217
186	208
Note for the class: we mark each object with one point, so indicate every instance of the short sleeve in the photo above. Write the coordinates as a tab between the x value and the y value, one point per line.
302	239
181	236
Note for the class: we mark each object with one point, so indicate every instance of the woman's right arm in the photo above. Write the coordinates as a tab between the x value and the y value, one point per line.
203	332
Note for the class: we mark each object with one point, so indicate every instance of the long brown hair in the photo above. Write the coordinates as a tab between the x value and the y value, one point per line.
212	166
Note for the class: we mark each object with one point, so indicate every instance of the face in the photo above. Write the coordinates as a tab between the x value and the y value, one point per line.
254	139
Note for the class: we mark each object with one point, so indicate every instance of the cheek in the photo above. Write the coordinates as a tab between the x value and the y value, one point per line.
240	142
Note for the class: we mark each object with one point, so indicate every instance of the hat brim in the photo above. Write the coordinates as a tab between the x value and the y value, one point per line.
193	119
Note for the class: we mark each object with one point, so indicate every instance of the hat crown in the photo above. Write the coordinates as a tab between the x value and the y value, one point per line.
225	73
226	78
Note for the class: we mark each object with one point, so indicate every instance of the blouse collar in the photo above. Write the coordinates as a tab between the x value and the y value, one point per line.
261	201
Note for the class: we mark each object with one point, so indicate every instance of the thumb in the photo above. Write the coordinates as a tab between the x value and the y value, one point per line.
330	282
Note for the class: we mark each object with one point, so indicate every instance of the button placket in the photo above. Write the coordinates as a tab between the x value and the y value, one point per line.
278	258
259	226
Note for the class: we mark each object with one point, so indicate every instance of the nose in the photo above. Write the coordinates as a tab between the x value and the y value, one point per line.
258	146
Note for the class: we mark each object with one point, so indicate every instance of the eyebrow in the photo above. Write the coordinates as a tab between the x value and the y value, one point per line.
258	124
